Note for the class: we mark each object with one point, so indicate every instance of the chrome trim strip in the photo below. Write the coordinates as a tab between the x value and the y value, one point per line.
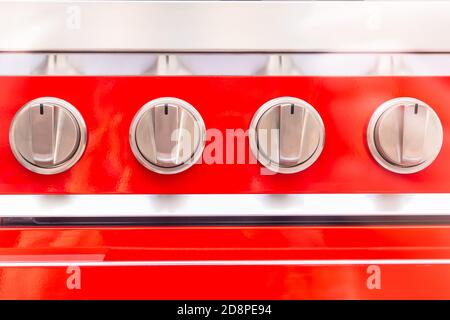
224	205
225	64
225	26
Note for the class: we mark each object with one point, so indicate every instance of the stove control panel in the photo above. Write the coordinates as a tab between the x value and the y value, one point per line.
405	135
167	135
287	135
224	134
48	135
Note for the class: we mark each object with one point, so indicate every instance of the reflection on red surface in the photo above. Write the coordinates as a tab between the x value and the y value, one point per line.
108	105
328	280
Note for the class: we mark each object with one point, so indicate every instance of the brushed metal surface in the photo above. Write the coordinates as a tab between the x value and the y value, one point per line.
405	135
48	135
167	135
287	135
225	26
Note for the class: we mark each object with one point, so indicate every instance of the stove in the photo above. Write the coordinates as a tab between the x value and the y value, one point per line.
224	149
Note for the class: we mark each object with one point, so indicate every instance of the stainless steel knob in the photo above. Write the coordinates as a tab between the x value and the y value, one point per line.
167	135
287	135
48	135
405	135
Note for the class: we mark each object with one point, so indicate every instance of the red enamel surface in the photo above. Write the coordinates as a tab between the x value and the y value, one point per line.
108	105
70	245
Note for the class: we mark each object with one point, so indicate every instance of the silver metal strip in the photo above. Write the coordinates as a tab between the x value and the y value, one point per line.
223	205
225	26
356	262
224	64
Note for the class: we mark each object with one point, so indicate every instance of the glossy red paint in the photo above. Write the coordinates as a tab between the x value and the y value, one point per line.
329	281
108	105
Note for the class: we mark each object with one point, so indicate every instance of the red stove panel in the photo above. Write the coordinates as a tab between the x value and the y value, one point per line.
108	105
263	263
